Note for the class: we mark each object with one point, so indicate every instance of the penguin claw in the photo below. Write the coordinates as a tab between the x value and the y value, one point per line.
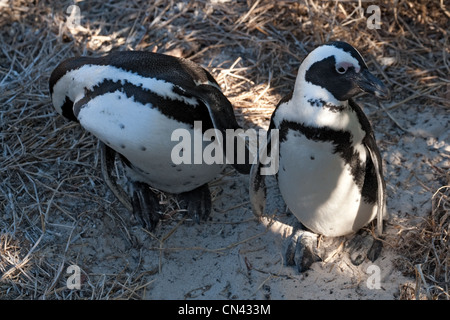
145	205
300	250
197	202
363	246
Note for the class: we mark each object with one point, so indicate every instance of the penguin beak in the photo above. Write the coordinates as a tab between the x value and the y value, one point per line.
369	83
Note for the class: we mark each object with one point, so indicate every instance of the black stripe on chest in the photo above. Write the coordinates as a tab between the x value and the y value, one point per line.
341	140
173	109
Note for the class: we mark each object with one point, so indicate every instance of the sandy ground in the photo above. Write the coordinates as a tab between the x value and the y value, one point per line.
233	256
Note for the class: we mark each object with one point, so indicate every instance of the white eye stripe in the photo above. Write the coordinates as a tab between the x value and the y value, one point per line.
91	75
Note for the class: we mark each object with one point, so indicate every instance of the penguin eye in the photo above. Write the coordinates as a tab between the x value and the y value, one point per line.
343	66
341	69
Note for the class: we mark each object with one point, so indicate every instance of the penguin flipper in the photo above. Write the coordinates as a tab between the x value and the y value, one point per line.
381	197
222	115
375	156
257	190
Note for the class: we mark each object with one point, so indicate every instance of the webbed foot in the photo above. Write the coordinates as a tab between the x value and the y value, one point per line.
361	246
300	249
197	202
145	204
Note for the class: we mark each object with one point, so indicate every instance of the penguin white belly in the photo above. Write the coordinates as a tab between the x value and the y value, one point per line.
319	189
142	134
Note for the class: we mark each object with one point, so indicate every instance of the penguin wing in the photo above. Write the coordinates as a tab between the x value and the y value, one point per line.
375	157
222	116
257	188
381	198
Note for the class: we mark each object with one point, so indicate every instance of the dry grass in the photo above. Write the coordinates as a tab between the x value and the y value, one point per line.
49	167
425	250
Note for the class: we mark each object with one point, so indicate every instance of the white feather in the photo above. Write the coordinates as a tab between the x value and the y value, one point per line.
319	189
143	135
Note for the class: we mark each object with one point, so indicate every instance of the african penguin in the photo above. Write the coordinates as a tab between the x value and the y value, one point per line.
133	101
330	169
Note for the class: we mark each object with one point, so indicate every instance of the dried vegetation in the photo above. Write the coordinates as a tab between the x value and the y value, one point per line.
50	167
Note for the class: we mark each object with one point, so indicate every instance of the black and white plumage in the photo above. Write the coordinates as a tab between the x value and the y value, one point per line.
133	101
330	169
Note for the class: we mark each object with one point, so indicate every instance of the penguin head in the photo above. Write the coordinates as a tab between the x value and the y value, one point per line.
338	68
65	109
59	93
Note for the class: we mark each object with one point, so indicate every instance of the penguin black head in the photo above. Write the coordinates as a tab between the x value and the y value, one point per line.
339	68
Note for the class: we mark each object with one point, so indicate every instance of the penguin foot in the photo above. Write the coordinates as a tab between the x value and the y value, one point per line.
145	204
197	202
300	249
362	246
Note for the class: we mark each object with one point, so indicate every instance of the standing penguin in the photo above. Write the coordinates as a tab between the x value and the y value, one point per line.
330	169
133	102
